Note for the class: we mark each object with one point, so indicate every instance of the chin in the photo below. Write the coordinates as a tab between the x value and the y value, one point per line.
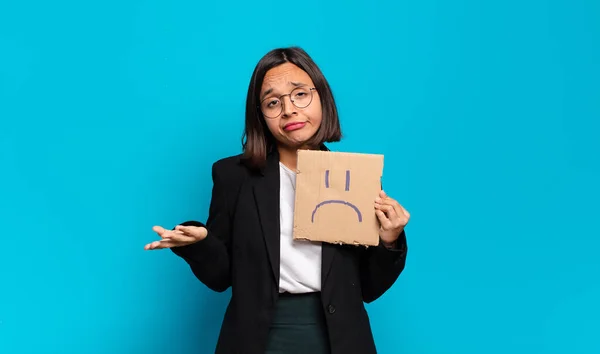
293	143
296	139
299	139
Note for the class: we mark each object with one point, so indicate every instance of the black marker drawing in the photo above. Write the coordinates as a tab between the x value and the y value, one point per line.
334	201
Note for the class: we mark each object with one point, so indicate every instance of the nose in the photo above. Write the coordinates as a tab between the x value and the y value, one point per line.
288	108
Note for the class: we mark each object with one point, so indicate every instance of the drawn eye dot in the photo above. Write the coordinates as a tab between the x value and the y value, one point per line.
347	185
347	180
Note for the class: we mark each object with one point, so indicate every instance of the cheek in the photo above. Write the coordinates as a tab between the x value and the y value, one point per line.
273	125
316	115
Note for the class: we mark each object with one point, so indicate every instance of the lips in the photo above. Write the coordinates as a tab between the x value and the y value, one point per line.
294	126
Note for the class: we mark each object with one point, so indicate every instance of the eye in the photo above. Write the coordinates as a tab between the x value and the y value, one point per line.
272	103
300	94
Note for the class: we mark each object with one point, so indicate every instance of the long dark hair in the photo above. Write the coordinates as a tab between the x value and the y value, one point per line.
257	140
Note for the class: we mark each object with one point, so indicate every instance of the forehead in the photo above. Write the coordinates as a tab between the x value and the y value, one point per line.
282	76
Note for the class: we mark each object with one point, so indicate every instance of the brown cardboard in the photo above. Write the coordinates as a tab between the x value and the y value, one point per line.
335	196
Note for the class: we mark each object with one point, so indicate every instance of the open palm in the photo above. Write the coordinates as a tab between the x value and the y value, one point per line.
180	236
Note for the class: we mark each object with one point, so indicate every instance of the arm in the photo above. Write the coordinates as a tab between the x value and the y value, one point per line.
381	266
209	258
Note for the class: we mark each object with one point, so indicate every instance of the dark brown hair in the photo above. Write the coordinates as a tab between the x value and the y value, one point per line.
257	140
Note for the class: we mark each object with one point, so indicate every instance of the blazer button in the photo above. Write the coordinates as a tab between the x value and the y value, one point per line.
331	309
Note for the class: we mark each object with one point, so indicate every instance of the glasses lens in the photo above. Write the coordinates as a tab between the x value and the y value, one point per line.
301	97
271	107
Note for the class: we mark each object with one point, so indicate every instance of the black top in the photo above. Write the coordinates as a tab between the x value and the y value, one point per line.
241	250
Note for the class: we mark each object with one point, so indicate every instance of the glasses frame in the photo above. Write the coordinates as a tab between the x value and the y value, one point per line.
280	98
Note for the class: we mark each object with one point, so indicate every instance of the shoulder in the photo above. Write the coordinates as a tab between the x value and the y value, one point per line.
228	163
229	170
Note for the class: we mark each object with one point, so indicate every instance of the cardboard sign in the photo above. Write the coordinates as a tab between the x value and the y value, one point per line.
335	196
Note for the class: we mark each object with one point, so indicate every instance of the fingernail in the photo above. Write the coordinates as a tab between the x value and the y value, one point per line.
378	200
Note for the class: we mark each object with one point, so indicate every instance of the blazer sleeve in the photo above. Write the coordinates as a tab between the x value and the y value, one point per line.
380	267
209	259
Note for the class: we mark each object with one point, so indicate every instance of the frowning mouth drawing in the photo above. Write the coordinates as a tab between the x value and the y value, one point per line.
337	201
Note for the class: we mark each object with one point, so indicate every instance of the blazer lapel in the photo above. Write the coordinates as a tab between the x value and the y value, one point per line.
266	195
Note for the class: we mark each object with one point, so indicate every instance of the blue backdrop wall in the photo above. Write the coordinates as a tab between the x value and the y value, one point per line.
487	112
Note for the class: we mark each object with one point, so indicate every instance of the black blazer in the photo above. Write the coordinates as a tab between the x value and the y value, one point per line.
241	250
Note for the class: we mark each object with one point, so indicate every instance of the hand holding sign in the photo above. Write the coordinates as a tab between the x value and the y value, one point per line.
392	216
334	200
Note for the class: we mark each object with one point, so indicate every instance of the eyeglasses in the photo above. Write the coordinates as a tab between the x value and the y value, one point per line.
300	97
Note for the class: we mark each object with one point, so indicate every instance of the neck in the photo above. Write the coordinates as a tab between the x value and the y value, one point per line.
289	156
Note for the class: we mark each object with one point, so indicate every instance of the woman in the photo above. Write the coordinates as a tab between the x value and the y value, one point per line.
287	296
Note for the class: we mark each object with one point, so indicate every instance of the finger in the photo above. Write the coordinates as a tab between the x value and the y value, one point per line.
184	229
157	245
194	231
397	220
179	236
171	234
404	211
389	210
397	207
165	243
164	233
400	210
159	230
386	224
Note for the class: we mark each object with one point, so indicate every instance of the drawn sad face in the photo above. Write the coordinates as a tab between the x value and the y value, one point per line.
335	195
337	201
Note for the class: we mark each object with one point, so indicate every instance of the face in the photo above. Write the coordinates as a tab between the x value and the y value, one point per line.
291	124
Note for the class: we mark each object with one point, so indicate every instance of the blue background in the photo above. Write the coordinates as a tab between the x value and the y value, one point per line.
112	113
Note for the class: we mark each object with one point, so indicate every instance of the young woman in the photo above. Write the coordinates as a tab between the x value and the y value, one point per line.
287	296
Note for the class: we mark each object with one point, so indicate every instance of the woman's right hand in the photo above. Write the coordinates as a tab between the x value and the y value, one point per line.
181	236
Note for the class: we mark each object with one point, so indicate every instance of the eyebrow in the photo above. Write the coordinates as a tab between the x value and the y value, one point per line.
293	83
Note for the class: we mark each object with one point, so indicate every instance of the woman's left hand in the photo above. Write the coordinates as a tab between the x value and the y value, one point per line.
392	216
